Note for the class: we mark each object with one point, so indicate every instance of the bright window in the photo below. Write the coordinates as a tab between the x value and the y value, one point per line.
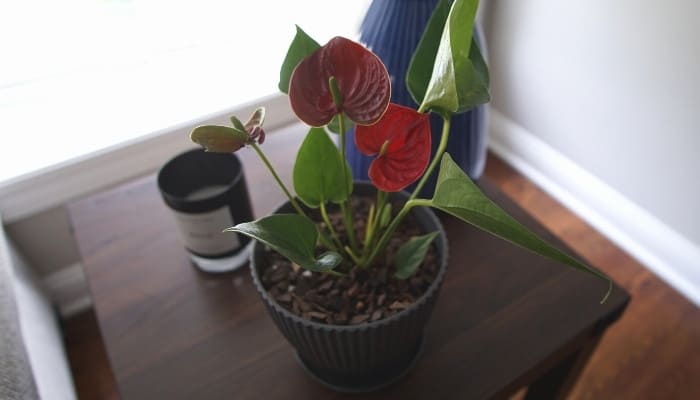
78	76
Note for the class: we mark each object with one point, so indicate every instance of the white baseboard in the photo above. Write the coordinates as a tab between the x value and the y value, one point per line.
67	288
660	248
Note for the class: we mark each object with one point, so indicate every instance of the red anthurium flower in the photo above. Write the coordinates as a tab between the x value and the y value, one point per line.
402	140
362	80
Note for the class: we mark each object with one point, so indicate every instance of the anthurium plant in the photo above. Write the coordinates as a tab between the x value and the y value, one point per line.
343	84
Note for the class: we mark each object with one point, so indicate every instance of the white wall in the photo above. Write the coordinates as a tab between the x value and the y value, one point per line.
614	88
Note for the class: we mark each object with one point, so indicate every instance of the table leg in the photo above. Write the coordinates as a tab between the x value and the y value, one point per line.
557	383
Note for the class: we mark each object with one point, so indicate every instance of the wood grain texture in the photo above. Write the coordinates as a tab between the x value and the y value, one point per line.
503	319
87	356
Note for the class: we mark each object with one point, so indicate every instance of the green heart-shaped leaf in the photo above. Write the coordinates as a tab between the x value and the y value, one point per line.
448	73
421	67
411	254
318	171
219	139
302	45
456	194
293	236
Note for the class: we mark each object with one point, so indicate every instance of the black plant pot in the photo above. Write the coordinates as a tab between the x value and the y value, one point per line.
364	357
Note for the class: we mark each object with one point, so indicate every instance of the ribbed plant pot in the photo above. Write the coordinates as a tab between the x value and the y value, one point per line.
368	356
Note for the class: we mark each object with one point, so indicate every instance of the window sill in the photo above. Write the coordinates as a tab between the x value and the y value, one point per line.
53	186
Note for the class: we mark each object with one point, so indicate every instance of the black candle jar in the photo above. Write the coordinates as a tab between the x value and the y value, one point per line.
207	193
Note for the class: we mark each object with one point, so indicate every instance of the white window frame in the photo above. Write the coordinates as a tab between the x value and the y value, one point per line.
56	185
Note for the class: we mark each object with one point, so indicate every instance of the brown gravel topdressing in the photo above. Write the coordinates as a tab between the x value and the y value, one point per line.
361	295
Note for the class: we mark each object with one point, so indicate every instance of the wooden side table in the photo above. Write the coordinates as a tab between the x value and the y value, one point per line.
505	318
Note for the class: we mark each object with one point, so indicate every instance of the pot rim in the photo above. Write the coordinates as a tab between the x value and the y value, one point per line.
443	249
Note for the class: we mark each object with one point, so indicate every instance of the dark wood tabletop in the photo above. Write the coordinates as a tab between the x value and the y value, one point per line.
505	318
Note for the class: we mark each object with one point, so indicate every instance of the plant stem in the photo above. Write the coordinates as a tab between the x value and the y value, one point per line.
348	222
322	237
384	240
352	255
420	203
344	205
368	227
327	220
438	156
374	225
269	166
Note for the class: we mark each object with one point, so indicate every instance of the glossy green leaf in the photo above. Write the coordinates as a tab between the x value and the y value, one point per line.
219	139
302	45
421	67
459	77
293	236
411	254
318	170
480	92
456	194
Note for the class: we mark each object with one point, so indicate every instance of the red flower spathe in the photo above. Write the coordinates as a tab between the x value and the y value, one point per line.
361	77
405	136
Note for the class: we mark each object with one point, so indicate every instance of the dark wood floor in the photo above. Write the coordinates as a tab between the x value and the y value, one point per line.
652	352
88	358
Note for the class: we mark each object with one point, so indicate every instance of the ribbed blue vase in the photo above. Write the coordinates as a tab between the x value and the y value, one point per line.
392	30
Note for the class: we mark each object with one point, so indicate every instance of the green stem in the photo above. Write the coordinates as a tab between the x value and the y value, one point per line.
384	240
327	220
344	206
438	156
352	255
420	203
368	227
323	238
375	224
348	222
269	166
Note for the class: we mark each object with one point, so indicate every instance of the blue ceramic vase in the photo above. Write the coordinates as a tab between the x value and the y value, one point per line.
392	30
